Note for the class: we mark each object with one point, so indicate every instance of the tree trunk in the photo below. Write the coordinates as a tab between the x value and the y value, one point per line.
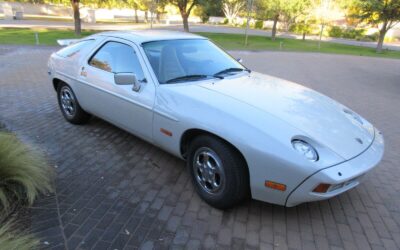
77	17
146	16
273	35
136	16
382	34
185	20
158	16
304	35
379	47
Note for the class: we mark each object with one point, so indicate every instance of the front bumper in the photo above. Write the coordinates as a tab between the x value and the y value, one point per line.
342	177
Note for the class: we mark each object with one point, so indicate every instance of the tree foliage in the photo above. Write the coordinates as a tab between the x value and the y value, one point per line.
232	8
281	10
378	11
206	8
383	13
295	9
185	8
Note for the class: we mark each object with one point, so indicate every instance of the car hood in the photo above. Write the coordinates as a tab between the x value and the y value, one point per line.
317	116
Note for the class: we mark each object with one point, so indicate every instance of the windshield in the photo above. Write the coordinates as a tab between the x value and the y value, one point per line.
189	60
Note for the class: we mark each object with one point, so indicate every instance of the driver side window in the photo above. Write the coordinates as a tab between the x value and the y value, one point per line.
116	57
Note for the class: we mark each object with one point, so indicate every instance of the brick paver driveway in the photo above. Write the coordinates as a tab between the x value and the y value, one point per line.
116	191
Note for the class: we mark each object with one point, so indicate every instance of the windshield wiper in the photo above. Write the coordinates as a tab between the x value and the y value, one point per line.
229	70
191	77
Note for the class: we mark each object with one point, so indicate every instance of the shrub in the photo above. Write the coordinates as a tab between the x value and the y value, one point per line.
335	31
24	172
204	17
244	24
259	24
300	28
295	28
10	239
373	37
353	33
349	33
388	39
369	38
226	21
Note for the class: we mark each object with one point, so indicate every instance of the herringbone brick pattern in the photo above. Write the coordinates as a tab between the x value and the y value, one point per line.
115	191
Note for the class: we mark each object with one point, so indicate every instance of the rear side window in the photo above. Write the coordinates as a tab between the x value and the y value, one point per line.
74	49
117	57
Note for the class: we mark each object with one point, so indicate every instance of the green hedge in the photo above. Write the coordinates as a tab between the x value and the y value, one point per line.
335	31
309	28
351	33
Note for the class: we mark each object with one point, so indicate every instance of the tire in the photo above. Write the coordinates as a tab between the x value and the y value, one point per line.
69	105
218	172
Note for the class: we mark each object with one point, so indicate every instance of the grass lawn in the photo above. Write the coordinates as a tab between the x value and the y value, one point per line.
27	36
227	41
236	42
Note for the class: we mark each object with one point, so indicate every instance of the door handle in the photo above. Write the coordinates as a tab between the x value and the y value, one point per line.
83	72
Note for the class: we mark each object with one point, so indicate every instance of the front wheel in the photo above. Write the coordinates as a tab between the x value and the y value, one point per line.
69	105
218	172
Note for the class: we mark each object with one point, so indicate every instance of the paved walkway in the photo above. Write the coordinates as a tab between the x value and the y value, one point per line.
115	191
193	28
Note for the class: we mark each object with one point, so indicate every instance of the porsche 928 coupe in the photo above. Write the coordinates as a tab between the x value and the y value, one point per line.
241	133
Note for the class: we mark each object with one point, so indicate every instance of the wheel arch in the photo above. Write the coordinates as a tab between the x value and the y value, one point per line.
57	82
190	134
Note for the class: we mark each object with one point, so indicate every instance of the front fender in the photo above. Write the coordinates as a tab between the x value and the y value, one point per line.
264	141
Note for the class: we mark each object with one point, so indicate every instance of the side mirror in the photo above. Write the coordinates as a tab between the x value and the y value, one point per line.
127	79
240	60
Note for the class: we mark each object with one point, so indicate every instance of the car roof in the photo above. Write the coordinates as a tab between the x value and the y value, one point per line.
142	36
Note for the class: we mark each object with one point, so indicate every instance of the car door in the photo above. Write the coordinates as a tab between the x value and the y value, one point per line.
120	104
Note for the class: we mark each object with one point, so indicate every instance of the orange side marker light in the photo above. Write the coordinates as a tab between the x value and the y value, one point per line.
275	185
166	132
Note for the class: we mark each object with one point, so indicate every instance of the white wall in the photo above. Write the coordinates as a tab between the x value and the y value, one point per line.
103	14
39	9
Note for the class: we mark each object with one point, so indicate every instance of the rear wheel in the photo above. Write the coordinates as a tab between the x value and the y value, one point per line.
69	105
218	172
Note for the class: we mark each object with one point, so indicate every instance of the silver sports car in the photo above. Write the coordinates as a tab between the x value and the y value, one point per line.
241	133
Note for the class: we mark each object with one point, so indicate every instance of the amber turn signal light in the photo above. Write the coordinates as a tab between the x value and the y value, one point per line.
322	188
275	185
166	132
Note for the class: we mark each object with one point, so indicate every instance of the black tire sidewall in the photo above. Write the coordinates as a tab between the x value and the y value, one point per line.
80	115
235	169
